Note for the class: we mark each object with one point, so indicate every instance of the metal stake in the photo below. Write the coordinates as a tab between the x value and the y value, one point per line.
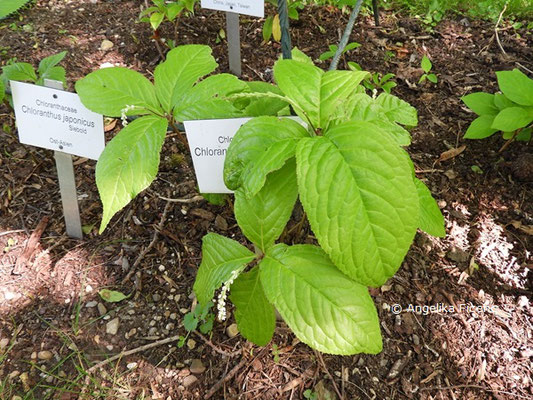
234	43
67	183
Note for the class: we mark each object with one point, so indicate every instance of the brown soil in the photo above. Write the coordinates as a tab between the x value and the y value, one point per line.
485	260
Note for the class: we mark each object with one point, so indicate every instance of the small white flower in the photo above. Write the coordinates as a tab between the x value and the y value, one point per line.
222	296
123	113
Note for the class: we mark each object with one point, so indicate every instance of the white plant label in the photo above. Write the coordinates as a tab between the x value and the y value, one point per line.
56	120
255	8
209	140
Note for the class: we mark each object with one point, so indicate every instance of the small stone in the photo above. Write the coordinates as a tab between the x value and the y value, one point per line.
33	355
4	342
232	330
189	380
197	367
166	314
89	289
112	326
156	297
110	347
44	355
14	374
161	268
131	333
152	331
451	174
204	214
173	316
106	45
191	344
91	304
131	365
24	377
97	339
101	309
169	326
416	340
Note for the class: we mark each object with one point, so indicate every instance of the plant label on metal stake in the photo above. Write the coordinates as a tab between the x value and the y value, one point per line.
255	8
51	118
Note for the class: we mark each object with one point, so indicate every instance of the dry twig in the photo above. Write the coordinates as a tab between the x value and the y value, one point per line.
319	356
152	243
226	378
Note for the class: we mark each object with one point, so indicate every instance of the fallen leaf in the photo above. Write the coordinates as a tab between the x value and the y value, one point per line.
528	229
110	124
449	154
112	296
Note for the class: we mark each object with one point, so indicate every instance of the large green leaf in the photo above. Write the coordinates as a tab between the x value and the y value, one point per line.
315	94
398	110
516	86
481	103
263	217
357	189
481	127
361	107
221	256
129	163
205	100
183	67
512	118
109	91
255	316
250	152
9	6
324	308
20	71
431	219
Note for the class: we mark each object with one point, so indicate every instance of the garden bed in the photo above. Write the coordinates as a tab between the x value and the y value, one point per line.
50	316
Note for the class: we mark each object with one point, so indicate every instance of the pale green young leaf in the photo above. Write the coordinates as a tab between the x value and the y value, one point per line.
299	55
109	91
206	99
431	219
516	86
255	316
221	256
432	78
426	64
2	90
481	103
262	218
129	164
264	105
267	28
398	110
356	186
20	71
183	67
300	82
252	141
501	102
512	118
481	127
155	20
50	62
324	308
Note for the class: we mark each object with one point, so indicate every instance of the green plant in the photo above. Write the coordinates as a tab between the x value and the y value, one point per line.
375	80
426	67
510	111
309	394
162	10
130	160
201	316
333	49
360	195
22	71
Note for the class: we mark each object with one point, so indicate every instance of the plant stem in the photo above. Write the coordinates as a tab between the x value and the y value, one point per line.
506	144
286	46
345	36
